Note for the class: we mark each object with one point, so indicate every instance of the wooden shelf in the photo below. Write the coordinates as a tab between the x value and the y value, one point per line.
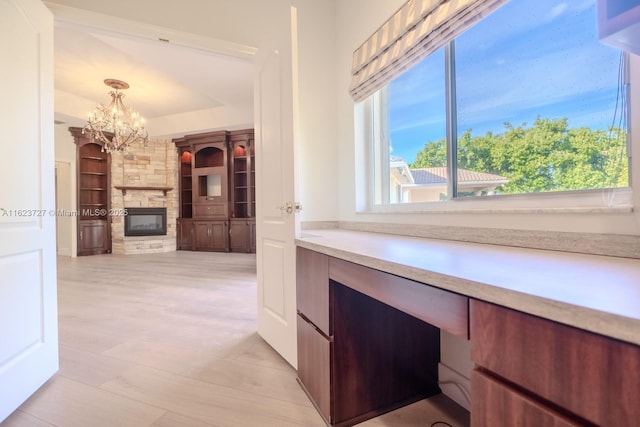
204	219
125	188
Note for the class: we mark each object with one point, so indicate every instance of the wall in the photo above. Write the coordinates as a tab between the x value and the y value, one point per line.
64	223
65	152
154	164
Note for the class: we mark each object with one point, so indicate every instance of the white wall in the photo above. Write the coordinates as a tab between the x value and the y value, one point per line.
356	21
65	153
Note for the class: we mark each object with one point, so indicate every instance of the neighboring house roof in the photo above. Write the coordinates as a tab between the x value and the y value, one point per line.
400	170
439	176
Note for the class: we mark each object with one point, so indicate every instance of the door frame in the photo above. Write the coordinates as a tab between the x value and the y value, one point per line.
81	19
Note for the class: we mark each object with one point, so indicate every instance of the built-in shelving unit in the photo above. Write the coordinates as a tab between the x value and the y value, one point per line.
217	191
243	194
94	195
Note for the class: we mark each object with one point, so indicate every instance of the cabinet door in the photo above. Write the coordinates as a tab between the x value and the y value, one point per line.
202	236
219	236
314	369
93	237
239	236
211	235
495	404
595	377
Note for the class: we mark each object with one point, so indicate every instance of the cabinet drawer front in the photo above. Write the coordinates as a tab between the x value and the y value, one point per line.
314	370
218	210
446	310
312	287
495	404
594	377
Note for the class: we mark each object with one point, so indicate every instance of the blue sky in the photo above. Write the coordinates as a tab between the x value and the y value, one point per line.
529	58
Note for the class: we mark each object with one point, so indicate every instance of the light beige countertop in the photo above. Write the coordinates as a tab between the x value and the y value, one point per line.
596	293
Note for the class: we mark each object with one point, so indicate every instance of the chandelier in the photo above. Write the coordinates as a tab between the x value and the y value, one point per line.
126	126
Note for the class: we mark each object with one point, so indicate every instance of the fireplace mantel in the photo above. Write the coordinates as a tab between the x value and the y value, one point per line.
125	188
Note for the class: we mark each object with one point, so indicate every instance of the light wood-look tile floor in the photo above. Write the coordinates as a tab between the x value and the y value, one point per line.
169	340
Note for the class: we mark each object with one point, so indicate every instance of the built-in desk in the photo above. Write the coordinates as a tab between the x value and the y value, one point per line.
555	336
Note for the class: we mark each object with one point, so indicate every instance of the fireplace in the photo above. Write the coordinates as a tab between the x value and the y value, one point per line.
145	222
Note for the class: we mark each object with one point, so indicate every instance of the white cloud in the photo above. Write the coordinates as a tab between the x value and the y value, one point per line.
556	11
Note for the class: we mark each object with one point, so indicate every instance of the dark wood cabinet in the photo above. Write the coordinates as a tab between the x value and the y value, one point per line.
185	234
217	191
94	237
314	334
368	343
209	180
242	181
500	405
312	288
314	365
242	235
94	195
185	158
211	236
588	378
348	358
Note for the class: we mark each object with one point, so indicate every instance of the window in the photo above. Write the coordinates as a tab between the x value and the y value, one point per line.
526	101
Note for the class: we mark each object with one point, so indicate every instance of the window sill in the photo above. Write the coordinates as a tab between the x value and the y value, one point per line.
619	201
454	210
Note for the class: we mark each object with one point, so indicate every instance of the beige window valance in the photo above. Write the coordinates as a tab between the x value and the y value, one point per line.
415	31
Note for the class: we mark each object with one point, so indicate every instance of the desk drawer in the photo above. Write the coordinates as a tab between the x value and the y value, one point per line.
211	210
446	310
594	377
312	288
314	366
495	404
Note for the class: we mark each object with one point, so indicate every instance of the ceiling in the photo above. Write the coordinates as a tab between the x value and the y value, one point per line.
178	90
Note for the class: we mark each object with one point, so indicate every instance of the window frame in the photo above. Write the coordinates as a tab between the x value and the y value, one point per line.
609	200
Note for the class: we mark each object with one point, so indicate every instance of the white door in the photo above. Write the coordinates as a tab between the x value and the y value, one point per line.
275	129
28	311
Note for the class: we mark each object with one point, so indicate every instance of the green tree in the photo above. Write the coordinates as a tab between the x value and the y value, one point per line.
434	154
547	156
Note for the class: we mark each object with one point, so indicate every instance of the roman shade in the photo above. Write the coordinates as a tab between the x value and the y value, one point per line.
415	31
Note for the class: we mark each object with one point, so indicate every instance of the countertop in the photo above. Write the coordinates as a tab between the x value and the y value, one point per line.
596	293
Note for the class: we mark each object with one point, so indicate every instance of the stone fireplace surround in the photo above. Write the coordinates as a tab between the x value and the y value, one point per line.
153	166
